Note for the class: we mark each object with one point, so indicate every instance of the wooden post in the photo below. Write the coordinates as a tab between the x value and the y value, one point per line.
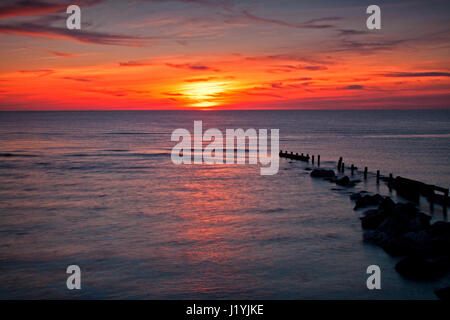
444	205
312	159
339	164
352	168
342	167
378	176
431	200
365	172
390	182
318	160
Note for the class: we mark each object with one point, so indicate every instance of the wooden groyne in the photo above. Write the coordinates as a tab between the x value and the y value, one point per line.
295	156
407	188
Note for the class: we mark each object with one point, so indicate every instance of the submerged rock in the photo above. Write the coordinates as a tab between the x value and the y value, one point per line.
357	195
372	219
344	181
421	268
401	229
368	200
443	293
322	173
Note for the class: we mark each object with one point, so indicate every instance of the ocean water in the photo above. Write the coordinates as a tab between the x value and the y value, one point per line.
99	190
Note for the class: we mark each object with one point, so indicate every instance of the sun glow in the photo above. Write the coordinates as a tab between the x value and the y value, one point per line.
205	94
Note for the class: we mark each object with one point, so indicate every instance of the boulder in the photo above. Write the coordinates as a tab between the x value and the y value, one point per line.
357	195
440	229
387	205
322	173
421	268
443	293
345	182
372	219
395	225
367	201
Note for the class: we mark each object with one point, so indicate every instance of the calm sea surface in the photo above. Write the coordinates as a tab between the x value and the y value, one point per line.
98	189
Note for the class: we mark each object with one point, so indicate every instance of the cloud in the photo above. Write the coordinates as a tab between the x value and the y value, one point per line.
29	8
31	29
276	85
351	32
313	68
262	94
61	54
39	73
310	24
201	79
299	79
189	66
172	94
416	74
353	87
116	92
132	63
77	79
290	68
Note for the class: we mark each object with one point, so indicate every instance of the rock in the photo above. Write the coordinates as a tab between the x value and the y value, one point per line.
401	246
420	268
441	229
372	219
395	225
437	239
400	229
443	293
375	237
387	205
367	201
357	195
344	181
322	173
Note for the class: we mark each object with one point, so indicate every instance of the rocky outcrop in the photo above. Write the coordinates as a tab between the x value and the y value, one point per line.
322	173
402	230
443	293
357	195
368	200
423	268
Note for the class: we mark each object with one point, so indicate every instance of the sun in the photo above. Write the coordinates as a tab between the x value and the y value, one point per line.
205	94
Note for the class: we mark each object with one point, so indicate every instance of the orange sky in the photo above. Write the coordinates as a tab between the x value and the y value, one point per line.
209	54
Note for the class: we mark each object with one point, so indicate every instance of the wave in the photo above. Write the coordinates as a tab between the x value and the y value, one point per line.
11	155
124	154
406	136
136	133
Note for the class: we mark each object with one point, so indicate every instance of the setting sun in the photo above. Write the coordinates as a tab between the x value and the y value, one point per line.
205	94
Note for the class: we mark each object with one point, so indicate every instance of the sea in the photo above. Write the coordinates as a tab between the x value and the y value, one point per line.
98	189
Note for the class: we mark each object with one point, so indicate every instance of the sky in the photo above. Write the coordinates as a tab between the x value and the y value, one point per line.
218	54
